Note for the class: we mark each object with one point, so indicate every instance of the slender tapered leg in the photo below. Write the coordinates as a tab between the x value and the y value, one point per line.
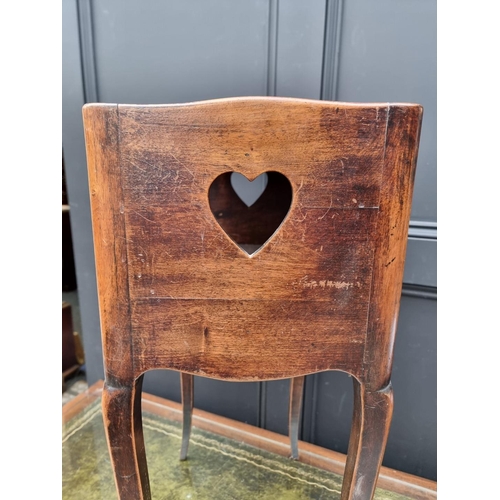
295	404
370	428
121	408
187	392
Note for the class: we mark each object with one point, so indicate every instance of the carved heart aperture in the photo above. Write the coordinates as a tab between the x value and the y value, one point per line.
248	191
250	227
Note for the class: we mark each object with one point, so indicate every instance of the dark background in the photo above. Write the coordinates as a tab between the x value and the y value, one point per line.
158	51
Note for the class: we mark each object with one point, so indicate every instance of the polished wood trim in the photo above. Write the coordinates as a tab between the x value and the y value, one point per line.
398	482
76	405
70	371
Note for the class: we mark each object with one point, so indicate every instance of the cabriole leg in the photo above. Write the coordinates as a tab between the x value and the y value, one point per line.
187	392
370	428
121	408
295	404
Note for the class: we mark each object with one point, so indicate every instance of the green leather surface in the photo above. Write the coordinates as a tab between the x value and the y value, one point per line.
217	467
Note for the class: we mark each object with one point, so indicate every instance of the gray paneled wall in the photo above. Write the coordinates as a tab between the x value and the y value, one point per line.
387	52
157	51
73	98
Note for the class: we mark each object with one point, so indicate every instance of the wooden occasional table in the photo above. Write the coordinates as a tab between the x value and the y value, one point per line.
227	459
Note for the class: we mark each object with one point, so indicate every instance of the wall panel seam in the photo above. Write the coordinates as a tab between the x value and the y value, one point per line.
272	47
331	50
87	51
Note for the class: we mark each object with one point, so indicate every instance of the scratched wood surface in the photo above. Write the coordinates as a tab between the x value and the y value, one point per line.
173	254
178	290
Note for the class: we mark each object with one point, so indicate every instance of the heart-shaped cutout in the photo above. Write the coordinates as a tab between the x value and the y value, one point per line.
248	191
250	226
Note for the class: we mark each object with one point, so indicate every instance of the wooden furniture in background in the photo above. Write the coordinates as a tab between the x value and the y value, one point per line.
72	350
182	286
68	260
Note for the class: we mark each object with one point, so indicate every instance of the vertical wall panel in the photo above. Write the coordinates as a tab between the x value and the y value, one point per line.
154	52
276	406
238	401
388	53
413	439
163	383
421	262
300	48
78	193
330	406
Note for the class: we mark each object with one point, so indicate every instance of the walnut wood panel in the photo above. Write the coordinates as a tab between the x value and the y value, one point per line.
215	337
102	142
151	170
302	261
403	136
332	153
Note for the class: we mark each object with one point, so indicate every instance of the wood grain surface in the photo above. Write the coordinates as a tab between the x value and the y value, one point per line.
319	289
